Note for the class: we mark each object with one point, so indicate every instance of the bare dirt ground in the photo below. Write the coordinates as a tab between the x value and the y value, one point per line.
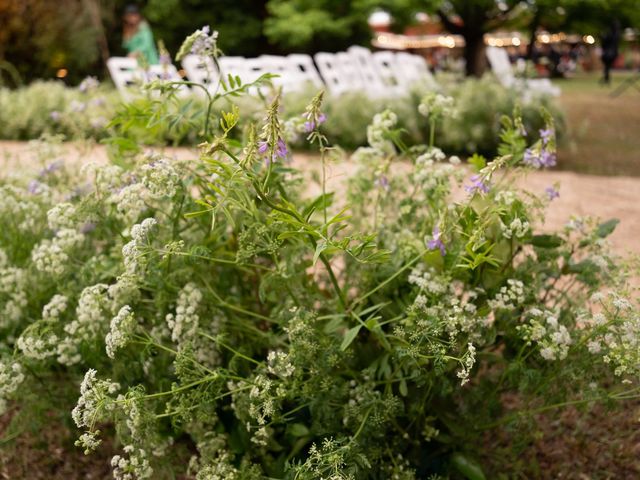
580	195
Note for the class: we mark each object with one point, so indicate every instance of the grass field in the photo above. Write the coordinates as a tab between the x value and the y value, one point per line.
603	133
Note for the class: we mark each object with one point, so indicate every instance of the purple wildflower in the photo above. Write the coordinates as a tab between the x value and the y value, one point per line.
35	187
477	185
551	193
546	135
50	168
383	182
310	125
55	116
547	159
436	242
281	149
263	147
531	158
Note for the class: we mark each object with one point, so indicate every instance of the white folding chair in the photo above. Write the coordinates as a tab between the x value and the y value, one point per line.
389	72
201	70
368	72
305	70
415	70
502	69
332	73
128	76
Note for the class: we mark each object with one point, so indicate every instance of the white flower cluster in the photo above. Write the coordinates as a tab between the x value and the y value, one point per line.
468	361
63	215
220	469
130	200
428	282
184	323
123	291
160	178
39	347
15	205
13	284
509	296
517	228
379	129
263	396
11	377
133	467
95	398
506	197
614	333
52	256
89	441
84	328
133	252
106	178
121	328
42	344
278	364
429	172
435	105
56	307
552	338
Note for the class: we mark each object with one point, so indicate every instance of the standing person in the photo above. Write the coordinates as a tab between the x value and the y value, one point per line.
610	42
137	37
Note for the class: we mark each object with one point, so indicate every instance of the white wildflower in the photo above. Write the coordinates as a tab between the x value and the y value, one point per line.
121	328
135	466
11	377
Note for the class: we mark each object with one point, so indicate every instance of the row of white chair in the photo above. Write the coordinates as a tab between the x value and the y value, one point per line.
380	74
503	70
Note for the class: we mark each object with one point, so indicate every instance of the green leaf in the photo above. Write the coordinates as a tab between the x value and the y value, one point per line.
546	241
404	391
349	337
478	161
470	469
298	430
320	247
605	229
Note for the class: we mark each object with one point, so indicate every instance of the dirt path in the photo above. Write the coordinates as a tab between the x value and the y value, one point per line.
580	195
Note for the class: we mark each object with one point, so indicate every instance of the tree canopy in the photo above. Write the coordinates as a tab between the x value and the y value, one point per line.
38	37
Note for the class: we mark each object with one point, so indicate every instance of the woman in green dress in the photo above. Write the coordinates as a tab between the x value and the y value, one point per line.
137	37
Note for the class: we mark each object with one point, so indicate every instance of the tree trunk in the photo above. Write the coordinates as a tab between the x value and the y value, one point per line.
533	29
474	55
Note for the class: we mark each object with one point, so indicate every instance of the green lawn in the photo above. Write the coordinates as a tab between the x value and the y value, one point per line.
603	133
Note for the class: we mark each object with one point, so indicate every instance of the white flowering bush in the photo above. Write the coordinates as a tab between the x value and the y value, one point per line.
212	320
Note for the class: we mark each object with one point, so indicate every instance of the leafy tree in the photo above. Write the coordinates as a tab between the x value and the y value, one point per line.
239	22
314	25
38	37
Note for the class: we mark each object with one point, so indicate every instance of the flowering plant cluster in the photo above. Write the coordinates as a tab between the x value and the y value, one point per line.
212	319
97	112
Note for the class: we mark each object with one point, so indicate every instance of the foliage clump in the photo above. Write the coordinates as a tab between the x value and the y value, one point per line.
212	307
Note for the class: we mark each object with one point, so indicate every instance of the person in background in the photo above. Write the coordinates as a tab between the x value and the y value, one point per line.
137	37
610	42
